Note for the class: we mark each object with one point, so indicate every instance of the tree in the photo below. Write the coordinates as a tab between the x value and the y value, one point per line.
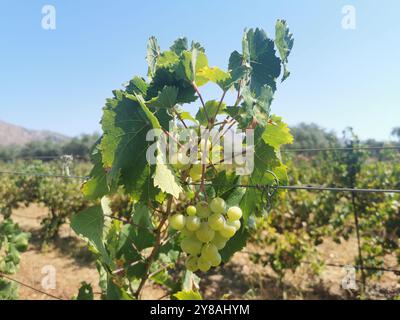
312	136
396	132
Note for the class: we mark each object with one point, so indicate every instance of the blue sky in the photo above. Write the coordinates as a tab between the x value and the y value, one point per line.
59	79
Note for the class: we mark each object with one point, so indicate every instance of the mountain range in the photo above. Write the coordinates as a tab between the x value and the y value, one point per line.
11	134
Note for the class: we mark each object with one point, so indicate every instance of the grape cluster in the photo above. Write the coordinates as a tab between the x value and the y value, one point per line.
206	228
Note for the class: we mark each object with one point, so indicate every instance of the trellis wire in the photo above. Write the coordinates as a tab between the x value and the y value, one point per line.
341	149
259	186
308	188
2	275
340	265
43	175
288	150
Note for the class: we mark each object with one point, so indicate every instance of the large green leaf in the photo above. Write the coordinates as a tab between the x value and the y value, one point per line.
259	59
96	186
89	223
126	122
265	65
266	160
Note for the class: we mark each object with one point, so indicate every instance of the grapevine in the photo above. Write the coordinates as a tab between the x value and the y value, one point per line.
184	195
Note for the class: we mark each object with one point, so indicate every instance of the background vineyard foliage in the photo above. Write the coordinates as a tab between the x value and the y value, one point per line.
286	237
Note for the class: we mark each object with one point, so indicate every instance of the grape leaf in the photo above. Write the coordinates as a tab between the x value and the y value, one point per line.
96	186
236	243
277	133
239	70
166	98
265	65
137	85
167	59
265	161
169	77
213	108
85	292
89	223
180	45
190	64
185	115
188	295
125	123
284	42
164	177
221	78
153	51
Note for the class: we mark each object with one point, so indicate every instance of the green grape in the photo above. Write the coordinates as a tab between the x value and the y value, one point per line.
219	241
197	168
191	245
202	144
190	194
234	213
186	232
208	251
216	221
194	176
203	210
205	233
236	224
217	205
193	223
191	263
177	221
228	231
191	211
177	161
203	264
216	259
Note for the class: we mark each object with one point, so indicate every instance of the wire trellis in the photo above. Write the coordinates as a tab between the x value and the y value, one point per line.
288	150
7	277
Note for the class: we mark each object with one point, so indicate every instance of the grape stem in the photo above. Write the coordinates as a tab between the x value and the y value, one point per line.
156	247
202	101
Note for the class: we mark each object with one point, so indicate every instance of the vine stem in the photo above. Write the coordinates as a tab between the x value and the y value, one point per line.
219	106
154	252
180	118
202	101
360	257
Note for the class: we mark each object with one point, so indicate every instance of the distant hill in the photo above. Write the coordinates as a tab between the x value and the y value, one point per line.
11	134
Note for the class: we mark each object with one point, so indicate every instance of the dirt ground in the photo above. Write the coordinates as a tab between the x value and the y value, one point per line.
239	279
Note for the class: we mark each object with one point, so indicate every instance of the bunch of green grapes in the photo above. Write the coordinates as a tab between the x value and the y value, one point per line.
206	228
